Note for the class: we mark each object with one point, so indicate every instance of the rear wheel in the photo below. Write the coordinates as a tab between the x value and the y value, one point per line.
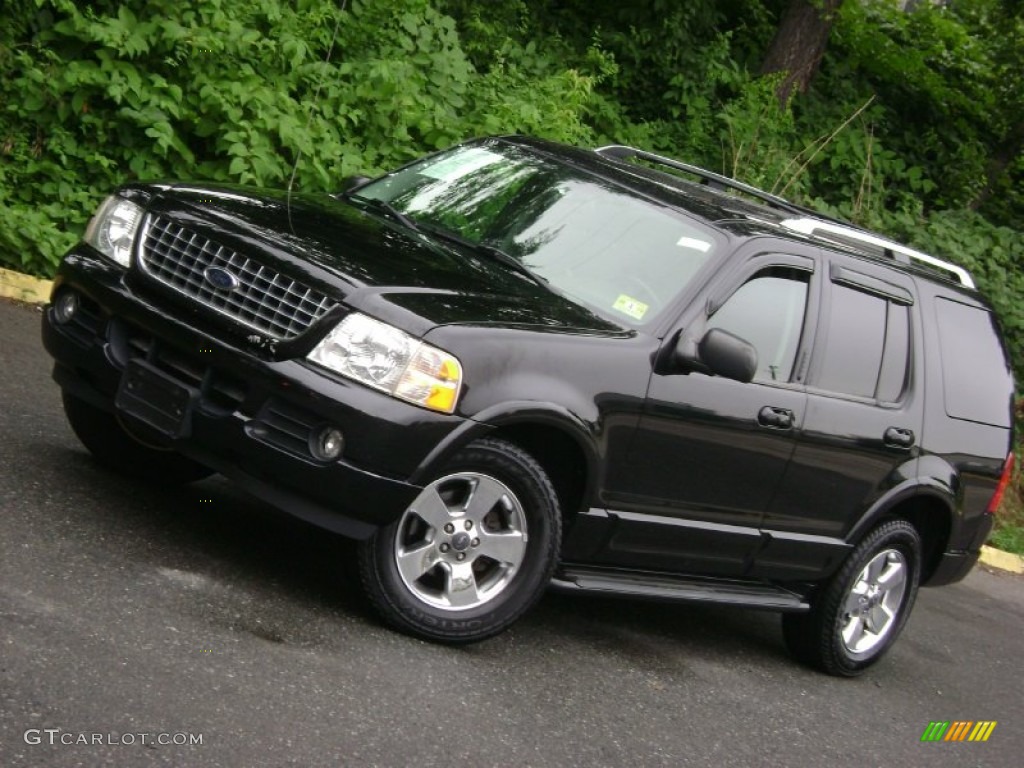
861	610
472	552
128	450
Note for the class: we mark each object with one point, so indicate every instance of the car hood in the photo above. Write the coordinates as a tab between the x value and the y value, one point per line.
369	262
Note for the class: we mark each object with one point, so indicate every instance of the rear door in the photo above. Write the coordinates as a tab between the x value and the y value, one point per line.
863	420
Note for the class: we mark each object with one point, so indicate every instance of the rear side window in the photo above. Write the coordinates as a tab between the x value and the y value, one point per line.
868	348
978	382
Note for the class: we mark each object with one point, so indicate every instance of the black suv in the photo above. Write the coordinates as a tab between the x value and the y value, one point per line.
516	364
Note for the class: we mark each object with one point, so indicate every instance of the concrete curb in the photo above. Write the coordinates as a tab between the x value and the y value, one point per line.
1004	561
33	290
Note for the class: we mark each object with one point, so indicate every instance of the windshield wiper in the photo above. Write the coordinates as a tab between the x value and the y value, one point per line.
491	250
506	258
387	209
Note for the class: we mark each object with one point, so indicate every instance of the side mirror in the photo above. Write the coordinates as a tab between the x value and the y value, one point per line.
352	183
726	354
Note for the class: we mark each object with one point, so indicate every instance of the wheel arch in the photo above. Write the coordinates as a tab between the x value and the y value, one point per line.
928	509
560	441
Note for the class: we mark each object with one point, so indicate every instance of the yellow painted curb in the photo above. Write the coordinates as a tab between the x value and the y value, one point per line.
14	285
1006	561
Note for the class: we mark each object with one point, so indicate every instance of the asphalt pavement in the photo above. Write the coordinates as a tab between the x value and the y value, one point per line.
134	619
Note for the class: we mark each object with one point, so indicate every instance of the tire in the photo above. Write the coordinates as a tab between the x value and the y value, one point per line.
117	449
859	612
472	553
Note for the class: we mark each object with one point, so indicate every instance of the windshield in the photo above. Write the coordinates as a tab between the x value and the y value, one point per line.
591	240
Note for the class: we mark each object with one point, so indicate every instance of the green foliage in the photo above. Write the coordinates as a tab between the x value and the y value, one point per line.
1008	533
935	81
757	134
1008	537
239	92
902	129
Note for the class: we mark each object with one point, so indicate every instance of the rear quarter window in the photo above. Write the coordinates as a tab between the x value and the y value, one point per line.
977	380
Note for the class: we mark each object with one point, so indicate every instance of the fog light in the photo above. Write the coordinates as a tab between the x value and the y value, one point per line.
65	307
327	443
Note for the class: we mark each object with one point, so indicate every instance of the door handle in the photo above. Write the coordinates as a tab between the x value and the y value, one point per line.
779	418
898	437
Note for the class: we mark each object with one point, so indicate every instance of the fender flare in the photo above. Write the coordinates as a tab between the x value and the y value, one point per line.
912	488
515	413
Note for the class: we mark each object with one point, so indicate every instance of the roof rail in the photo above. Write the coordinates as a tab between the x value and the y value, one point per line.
812	226
809	221
714	180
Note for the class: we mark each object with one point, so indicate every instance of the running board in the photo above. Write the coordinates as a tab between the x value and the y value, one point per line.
657	586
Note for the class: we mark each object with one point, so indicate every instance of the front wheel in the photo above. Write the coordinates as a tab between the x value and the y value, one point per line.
472	552
862	609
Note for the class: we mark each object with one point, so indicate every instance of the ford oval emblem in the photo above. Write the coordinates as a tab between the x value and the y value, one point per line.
220	279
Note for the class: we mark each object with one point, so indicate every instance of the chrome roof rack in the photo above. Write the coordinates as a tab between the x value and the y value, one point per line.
710	178
808	222
843	234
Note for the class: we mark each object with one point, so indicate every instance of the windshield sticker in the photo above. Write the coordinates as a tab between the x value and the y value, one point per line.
463	162
691	242
627	305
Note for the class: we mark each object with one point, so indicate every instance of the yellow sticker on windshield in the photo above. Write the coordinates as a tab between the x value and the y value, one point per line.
627	305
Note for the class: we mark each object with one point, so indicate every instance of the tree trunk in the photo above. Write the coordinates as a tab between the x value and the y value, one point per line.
799	44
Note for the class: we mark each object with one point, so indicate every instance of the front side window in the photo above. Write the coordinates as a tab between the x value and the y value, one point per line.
768	311
598	243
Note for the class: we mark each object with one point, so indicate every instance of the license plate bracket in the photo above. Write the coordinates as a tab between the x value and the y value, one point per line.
154	398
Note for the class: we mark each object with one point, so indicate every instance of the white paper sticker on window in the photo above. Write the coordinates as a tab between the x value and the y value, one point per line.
463	162
627	305
691	242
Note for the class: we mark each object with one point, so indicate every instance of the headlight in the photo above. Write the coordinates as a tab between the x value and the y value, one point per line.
385	358
112	230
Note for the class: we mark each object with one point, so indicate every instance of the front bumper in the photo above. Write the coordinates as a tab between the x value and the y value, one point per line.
253	416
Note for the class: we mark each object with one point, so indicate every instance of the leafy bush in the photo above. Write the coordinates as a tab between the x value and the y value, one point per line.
239	92
895	134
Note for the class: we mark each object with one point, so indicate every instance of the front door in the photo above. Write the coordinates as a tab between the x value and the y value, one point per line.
709	452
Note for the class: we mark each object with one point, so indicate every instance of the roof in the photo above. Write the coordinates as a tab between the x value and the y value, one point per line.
733	206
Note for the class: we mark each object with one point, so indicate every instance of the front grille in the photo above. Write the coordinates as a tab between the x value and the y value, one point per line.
263	299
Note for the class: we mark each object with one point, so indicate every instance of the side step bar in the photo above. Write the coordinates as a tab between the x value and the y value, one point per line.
672	588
